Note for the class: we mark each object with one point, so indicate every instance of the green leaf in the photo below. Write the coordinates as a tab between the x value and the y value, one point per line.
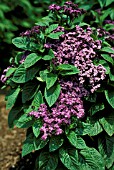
76	141
38	100
48	161
92	159
108	123
108	58
25	121
10	72
55	143
52	94
69	158
96	127
39	143
29	90
102	3
67	69
96	108
20	42
44	21
111	76
55	35
51	28
36	127
108	50
83	129
11	97
28	145
18	57
106	149
91	98
31	144
109	94
43	74
31	60
92	128
13	116
49	56
50	80
108	2
22	75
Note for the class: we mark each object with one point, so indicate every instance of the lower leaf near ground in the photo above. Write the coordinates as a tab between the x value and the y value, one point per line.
106	148
48	161
69	157
90	159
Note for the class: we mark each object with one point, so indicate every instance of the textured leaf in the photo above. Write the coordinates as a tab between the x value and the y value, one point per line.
31	144
11	97
25	121
108	50
96	108
28	145
50	80
49	56
28	92
43	74
55	35
55	143
31	60
109	94
39	143
69	158
83	129
22	75
48	161
67	69
36	127
14	115
92	159
51	28
52	94
108	123
95	129
76	141
10	72
108	58
38	100
106	149
20	42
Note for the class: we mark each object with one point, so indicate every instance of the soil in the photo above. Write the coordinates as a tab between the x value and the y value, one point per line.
11	143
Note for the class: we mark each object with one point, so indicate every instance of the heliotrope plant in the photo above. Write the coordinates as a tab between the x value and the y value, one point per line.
62	91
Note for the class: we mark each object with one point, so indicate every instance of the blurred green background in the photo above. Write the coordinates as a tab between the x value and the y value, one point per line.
17	16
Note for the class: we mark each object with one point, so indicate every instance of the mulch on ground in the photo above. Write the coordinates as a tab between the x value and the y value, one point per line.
11	144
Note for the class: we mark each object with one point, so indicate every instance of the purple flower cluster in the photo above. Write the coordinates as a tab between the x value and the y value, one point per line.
69	104
69	8
78	48
35	29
